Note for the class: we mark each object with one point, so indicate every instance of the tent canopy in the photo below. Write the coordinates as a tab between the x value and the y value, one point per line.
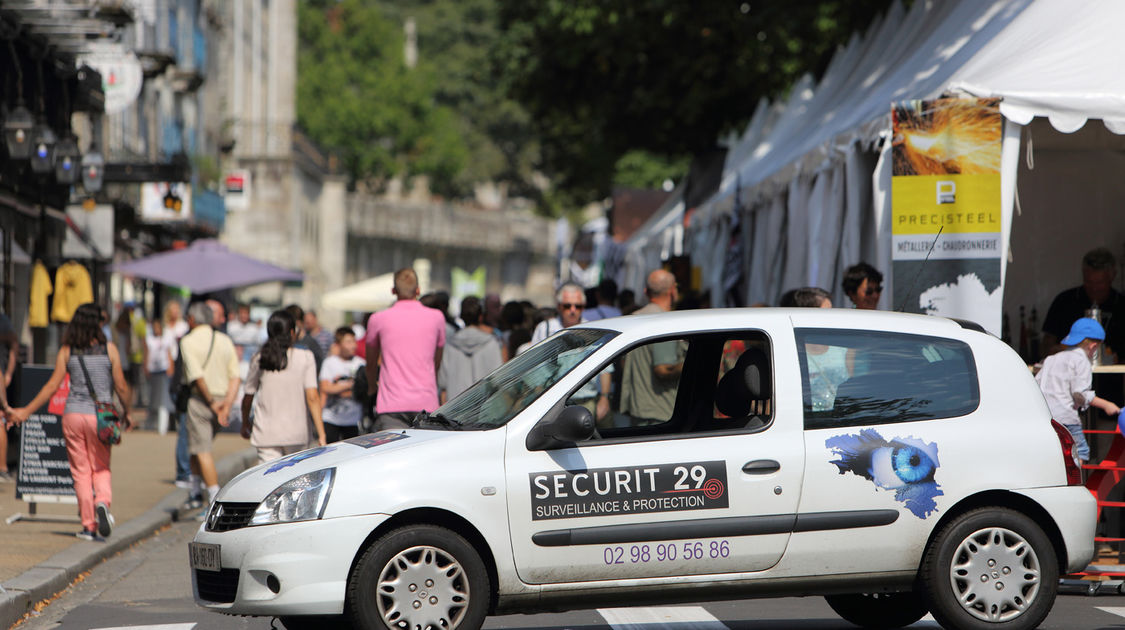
806	186
369	295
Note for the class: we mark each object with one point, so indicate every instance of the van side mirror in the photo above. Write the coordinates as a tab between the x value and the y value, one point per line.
573	424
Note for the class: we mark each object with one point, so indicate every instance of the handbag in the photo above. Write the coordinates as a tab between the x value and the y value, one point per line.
181	391
109	420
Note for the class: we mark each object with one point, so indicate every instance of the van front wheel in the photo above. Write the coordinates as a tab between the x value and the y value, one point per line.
878	610
418	577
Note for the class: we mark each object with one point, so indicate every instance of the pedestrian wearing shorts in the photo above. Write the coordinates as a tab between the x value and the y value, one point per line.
211	368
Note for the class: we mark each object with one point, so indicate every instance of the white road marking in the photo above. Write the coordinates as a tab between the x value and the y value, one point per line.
684	618
163	626
1113	610
925	622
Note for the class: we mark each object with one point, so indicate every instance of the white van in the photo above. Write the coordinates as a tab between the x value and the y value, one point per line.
896	464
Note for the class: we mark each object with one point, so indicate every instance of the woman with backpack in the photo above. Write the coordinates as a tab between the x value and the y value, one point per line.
94	367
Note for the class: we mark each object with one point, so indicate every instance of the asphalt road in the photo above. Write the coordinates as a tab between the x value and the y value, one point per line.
149	586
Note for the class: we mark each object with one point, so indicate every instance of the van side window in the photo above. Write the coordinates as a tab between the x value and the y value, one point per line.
853	378
683	385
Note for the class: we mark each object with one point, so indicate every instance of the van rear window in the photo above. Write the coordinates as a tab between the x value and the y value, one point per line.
851	377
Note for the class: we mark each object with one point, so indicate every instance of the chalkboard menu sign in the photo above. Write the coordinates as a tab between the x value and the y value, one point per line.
44	472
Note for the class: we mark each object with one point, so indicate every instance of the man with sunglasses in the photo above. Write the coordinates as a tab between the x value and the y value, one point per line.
571	301
863	284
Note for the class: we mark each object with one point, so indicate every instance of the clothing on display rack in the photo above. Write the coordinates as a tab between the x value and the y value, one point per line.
72	288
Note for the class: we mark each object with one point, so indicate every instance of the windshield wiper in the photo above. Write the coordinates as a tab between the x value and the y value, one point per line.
437	419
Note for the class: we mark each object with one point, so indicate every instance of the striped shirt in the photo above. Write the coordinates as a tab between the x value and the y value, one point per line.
101	376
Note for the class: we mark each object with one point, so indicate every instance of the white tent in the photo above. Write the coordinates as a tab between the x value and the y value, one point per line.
368	296
808	183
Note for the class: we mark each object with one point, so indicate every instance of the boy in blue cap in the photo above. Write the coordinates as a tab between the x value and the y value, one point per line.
1067	382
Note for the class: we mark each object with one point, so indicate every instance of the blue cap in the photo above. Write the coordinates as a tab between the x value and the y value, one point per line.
1084	328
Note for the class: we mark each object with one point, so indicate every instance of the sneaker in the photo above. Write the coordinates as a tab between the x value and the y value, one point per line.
183	483
87	535
105	520
194	501
6	476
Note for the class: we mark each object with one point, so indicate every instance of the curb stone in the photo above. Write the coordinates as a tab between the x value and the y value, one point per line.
55	574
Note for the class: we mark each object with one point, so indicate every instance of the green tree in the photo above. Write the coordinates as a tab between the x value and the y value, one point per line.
602	78
356	96
457	38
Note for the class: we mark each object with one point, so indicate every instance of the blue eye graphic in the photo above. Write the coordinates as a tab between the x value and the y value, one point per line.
911	464
905	465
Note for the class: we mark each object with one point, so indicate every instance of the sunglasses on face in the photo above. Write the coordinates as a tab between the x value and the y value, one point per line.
567	307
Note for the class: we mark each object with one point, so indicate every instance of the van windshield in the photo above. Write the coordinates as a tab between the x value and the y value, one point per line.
497	398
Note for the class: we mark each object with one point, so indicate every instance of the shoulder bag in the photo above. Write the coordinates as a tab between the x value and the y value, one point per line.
181	391
109	419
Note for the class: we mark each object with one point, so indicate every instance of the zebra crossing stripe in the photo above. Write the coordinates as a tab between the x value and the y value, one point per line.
1113	610
164	626
683	617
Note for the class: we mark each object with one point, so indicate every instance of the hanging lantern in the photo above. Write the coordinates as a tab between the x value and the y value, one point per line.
18	125
67	161
43	149
93	170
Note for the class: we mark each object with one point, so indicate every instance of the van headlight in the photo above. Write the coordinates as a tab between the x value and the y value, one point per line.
299	499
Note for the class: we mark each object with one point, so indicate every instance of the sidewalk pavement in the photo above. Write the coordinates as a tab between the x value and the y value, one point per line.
41	558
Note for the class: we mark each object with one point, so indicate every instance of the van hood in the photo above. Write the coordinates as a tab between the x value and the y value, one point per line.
255	484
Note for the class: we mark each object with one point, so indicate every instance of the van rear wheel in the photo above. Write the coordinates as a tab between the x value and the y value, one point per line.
879	610
990	568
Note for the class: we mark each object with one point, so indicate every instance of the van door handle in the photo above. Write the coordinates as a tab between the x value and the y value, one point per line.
761	467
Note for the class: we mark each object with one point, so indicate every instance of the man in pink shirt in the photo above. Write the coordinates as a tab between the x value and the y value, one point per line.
404	345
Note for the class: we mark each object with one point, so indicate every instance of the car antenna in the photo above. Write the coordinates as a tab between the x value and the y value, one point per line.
922	268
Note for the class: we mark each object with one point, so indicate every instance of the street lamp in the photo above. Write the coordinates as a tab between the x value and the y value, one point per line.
18	125
93	169
67	159
43	153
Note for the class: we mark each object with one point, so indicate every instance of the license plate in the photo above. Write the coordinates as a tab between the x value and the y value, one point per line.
205	556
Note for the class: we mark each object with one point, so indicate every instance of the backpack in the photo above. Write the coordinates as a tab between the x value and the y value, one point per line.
359	394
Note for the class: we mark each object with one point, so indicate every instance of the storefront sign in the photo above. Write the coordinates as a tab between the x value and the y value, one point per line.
236	188
44	470
122	77
945	190
165	201
628	490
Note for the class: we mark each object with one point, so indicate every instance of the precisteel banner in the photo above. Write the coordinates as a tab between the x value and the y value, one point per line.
945	196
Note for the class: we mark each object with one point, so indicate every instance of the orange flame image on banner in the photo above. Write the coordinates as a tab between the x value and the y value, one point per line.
947	136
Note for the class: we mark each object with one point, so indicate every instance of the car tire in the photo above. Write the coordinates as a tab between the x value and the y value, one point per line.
990	569
316	622
879	610
419	576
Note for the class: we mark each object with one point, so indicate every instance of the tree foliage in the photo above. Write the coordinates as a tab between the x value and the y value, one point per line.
605	77
457	38
356	96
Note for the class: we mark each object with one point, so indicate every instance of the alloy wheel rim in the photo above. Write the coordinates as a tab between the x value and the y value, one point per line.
995	574
422	587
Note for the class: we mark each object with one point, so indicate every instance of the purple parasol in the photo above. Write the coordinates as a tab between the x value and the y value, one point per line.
204	266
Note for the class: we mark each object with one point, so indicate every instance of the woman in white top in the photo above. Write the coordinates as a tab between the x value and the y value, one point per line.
158	369
281	390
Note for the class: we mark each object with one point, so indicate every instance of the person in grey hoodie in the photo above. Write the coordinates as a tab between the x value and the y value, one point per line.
470	354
